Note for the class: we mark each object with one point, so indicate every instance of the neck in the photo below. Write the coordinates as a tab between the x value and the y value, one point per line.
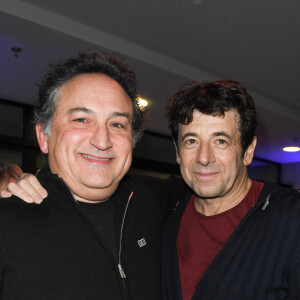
214	206
79	199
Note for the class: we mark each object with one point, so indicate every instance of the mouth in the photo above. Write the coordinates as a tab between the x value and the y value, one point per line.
91	158
205	175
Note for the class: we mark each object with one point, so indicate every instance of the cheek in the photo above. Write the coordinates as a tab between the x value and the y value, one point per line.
226	157
231	163
123	149
71	138
122	143
186	161
223	156
60	143
127	148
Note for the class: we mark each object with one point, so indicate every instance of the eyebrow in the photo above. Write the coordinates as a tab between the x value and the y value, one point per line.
223	133
89	111
79	109
215	134
120	114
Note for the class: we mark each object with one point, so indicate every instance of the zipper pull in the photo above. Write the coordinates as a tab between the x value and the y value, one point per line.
122	273
267	202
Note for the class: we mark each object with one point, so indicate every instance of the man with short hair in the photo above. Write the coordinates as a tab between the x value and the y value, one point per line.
98	233
230	237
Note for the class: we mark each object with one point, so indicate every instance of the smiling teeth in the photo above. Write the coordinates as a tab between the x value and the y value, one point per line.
92	157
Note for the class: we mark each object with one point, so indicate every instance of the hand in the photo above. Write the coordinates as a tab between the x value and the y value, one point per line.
27	187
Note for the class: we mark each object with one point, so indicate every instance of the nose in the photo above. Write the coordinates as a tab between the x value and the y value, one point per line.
101	138
205	154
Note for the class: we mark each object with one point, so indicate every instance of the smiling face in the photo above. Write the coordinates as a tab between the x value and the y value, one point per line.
210	156
90	145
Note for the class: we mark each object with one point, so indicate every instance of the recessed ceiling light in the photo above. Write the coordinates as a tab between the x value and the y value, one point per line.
16	51
291	149
294	146
142	102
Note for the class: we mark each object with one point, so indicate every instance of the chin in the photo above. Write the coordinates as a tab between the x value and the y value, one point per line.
206	194
93	183
101	185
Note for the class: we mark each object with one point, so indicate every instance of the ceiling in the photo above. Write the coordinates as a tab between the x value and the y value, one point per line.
255	42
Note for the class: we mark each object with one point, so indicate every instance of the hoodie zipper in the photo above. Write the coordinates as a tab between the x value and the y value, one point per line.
121	270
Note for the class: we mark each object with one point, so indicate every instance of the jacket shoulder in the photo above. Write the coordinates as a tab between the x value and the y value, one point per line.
166	192
283	198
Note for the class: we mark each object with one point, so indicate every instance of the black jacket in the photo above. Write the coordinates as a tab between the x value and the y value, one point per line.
260	261
51	251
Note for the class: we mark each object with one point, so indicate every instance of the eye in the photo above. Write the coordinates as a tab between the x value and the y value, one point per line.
190	143
81	120
118	125
221	143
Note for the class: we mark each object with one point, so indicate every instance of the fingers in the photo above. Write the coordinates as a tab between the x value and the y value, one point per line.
5	194
28	188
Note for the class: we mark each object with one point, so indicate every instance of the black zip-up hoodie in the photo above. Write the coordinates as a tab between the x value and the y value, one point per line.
51	251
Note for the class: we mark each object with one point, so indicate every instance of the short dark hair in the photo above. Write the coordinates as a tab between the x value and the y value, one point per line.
213	98
87	62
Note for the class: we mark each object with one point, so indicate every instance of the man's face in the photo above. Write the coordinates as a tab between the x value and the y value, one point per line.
90	145
210	155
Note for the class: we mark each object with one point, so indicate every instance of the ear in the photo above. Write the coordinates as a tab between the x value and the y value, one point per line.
249	153
42	138
177	152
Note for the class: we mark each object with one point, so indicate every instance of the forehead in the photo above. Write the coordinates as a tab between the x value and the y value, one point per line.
94	89
210	124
